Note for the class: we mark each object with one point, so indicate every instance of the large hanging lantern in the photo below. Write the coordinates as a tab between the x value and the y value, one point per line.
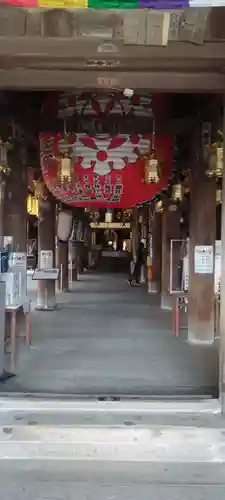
177	192
64	225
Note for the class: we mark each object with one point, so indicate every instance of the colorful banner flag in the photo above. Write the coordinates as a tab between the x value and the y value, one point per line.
110	4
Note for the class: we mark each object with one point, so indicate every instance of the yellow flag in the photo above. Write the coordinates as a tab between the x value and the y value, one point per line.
63	4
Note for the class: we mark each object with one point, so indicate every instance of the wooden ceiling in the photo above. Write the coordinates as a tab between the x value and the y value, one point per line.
66	50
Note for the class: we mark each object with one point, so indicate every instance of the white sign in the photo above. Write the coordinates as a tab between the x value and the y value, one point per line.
18	260
217	272
185	274
46	260
12	290
46	274
204	260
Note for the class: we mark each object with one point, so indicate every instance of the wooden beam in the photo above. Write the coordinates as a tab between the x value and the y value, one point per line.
153	81
69	48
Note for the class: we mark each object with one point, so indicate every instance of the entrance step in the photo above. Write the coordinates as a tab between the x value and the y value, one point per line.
151	432
164	444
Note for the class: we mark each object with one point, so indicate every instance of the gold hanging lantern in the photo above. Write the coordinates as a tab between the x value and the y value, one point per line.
32	205
66	159
94	216
215	161
159	206
5	147
108	216
218	196
151	174
219	162
151	162
177	192
65	168
40	191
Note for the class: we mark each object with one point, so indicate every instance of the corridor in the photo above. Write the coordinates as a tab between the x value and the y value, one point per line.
108	339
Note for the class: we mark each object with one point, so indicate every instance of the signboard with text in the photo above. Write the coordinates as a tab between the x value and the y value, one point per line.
46	259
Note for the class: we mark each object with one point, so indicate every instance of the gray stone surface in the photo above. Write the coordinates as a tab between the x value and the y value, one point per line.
106	339
64	481
72	491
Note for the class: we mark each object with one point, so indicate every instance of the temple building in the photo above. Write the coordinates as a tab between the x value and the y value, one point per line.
111	171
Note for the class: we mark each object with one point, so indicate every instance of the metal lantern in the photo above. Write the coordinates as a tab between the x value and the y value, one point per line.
5	147
177	192
94	216
218	196
151	162
159	206
40	190
219	162
108	216
151	169
32	205
215	161
66	159
127	213
65	168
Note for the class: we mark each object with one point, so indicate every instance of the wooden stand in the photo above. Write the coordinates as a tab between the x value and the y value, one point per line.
13	311
46	297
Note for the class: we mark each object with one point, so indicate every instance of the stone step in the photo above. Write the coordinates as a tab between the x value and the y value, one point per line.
55	411
125	431
136	444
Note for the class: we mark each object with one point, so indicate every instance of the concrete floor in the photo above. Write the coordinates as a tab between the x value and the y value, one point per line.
53	480
60	481
108	339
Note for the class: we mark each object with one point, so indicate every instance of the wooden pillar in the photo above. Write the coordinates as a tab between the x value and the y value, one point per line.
134	233
46	299
170	230
15	220
2	210
222	286
154	285
63	262
202	234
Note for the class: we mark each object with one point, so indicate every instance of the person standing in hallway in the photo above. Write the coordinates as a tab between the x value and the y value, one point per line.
135	273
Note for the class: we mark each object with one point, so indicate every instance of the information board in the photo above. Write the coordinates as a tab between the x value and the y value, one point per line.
46	259
204	259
